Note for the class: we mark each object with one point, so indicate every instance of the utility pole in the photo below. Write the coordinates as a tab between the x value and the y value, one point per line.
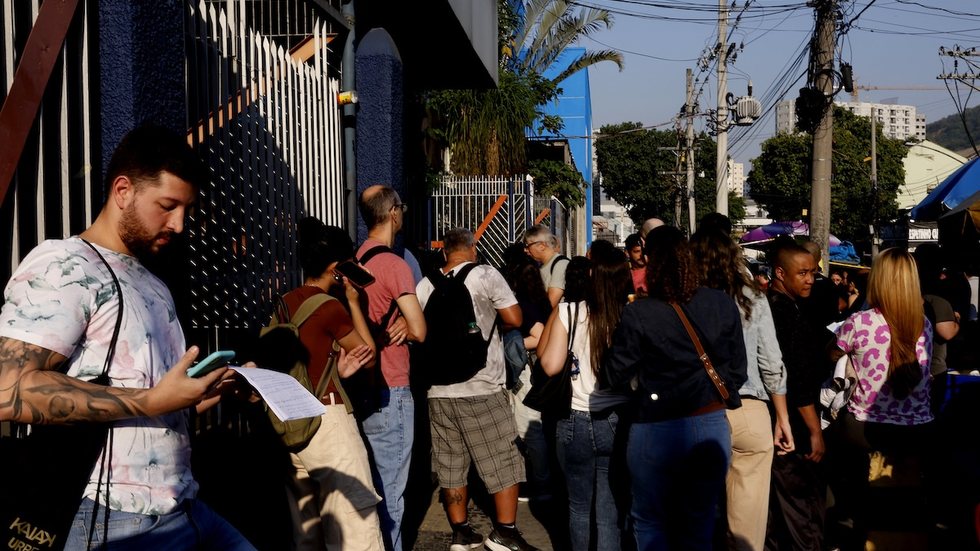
957	75
721	167
874	185
689	155
822	65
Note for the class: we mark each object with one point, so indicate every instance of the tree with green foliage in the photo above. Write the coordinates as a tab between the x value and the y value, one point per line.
486	129
957	132
780	177
559	179
637	165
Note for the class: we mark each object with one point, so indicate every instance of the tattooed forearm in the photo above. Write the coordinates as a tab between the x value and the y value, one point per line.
32	391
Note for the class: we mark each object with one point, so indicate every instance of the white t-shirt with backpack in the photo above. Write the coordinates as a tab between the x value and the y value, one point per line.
490	292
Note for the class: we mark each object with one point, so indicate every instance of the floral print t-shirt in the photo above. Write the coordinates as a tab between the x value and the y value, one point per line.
865	336
63	299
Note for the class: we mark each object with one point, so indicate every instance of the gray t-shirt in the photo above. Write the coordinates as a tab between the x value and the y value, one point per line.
554	276
490	293
938	310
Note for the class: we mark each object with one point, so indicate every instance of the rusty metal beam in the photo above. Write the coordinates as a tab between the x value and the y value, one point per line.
27	91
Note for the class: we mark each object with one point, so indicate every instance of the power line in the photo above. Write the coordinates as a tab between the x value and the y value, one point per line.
638	53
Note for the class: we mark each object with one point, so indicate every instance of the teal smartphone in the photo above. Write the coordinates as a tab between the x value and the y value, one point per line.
214	360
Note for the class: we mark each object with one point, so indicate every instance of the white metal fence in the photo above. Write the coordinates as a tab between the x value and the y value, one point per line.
497	209
56	190
266	122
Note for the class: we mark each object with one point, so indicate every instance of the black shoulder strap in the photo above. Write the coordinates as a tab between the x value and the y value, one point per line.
461	276
368	255
115	331
373	252
557	260
465	271
105	464
572	326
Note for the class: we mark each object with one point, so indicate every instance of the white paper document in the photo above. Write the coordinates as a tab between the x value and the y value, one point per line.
284	395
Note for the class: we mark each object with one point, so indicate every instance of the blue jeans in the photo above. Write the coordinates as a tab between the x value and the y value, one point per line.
192	525
585	447
391	433
678	471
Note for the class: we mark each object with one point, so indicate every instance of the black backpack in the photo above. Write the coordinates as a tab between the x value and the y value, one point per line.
454	349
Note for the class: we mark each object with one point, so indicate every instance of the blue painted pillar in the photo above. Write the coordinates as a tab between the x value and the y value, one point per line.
380	120
141	73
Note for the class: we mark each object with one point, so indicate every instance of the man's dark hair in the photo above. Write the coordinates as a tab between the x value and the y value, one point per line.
457	239
715	221
633	240
319	246
376	208
577	279
783	249
148	150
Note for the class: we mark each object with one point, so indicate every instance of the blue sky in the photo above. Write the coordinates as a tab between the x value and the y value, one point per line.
892	43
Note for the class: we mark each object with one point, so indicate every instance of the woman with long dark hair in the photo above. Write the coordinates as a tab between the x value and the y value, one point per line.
584	439
721	265
679	443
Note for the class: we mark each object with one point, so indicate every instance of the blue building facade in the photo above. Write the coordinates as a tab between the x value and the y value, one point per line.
574	106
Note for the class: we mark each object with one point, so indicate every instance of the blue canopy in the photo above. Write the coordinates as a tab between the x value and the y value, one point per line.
951	192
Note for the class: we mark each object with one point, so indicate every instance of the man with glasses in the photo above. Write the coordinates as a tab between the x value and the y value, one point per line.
543	247
394	312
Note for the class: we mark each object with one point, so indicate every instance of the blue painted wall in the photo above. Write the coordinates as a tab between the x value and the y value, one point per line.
141	73
380	120
574	106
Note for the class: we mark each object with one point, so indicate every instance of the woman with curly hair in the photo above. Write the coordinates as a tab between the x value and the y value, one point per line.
679	444
721	266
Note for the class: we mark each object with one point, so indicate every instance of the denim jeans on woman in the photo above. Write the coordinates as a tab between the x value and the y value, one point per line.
191	526
678	471
585	447
391	433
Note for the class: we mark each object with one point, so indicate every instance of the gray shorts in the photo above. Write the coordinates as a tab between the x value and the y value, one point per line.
477	429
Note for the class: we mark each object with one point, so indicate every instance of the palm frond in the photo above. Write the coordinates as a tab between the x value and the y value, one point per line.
588	59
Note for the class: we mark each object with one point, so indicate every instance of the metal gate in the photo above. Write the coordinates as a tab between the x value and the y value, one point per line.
496	209
266	122
56	190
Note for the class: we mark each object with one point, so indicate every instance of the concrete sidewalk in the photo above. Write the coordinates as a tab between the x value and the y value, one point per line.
435	534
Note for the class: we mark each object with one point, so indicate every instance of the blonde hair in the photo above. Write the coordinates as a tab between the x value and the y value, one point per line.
893	288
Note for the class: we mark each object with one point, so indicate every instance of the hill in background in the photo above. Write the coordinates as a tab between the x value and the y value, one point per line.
949	133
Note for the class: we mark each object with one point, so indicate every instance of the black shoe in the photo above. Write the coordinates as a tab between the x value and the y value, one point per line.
513	541
465	538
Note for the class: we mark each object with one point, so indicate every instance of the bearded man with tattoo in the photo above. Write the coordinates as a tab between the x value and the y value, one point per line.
60	309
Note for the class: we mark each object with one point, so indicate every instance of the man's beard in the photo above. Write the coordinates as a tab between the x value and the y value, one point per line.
139	240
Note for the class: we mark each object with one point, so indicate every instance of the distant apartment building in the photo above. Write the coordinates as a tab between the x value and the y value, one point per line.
899	122
613	222
736	177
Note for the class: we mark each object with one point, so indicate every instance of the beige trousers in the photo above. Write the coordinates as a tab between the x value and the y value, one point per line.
747	483
332	497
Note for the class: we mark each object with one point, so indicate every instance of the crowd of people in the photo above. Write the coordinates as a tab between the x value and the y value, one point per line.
696	381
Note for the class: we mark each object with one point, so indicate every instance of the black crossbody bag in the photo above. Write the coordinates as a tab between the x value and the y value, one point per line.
553	395
46	468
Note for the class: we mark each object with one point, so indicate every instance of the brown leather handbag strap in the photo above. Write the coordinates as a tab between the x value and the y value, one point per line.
705	360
